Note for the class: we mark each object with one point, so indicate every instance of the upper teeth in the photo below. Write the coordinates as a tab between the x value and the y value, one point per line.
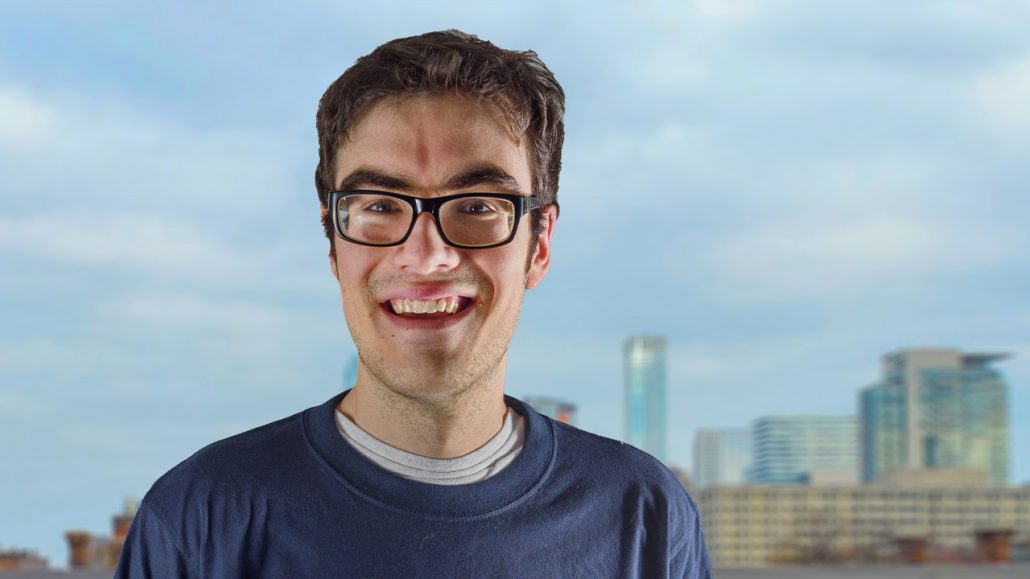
406	306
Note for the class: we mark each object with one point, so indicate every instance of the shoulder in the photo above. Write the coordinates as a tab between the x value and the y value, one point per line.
613	457
618	477
231	464
617	467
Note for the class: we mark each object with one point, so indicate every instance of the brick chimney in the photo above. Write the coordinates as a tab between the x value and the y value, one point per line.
80	544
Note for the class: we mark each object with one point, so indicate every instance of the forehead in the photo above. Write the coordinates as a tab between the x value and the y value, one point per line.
427	140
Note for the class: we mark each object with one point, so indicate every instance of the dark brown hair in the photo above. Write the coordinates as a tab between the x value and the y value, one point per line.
516	83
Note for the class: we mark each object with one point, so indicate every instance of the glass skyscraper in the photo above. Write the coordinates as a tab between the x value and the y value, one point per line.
721	457
645	402
795	449
936	408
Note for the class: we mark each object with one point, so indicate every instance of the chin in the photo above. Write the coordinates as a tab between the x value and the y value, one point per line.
435	379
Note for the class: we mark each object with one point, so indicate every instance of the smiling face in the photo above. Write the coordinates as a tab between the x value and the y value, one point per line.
431	147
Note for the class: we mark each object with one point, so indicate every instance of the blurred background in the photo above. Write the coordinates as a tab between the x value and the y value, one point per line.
785	226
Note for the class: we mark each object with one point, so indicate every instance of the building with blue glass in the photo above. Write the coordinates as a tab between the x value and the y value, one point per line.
722	457
935	409
645	391
790	450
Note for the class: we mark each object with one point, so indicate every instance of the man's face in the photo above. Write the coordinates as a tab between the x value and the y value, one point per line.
430	147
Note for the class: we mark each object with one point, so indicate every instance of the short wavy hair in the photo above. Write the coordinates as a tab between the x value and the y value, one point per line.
517	83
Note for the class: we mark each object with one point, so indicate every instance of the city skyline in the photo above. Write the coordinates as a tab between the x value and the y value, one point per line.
784	190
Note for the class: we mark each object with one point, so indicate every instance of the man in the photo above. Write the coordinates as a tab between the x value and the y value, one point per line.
438	174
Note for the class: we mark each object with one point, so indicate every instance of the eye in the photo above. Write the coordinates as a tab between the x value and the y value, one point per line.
382	205
477	207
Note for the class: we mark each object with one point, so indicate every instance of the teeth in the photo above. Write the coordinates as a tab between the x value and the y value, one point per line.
406	306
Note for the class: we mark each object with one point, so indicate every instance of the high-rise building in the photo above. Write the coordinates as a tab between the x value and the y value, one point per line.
350	372
559	410
645	393
721	457
796	449
936	408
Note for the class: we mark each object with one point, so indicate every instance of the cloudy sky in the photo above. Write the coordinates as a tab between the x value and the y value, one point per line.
786	190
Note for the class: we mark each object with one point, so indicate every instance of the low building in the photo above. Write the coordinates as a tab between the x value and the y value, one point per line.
95	552
927	520
560	410
21	560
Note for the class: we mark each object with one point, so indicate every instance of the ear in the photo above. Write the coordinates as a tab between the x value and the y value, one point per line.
541	260
332	241
332	265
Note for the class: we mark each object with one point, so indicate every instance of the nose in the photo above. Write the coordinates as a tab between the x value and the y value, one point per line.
425	252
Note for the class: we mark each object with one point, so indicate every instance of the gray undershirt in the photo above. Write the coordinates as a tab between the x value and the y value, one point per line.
480	464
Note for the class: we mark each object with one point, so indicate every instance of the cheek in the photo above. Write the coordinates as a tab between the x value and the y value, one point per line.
505	274
352	274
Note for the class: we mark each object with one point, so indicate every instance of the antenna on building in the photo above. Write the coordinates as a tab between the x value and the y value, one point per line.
130	506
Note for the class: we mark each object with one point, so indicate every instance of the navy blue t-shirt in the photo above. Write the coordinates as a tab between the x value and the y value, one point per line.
293	499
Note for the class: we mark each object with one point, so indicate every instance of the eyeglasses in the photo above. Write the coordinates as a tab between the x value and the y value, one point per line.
465	220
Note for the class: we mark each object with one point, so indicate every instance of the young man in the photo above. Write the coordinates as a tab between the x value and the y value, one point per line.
438	175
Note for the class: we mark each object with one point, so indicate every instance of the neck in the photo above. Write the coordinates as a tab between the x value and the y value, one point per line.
444	425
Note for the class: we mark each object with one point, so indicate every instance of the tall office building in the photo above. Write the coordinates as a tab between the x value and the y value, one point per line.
800	449
721	457
936	408
350	372
645	393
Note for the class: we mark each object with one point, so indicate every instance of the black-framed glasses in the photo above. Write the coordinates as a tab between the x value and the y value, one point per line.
465	220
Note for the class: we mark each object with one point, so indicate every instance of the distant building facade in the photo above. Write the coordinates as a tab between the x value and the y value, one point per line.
936	408
560	410
759	526
721	457
645	393
791	450
21	560
94	552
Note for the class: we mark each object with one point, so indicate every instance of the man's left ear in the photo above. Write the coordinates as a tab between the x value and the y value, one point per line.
541	261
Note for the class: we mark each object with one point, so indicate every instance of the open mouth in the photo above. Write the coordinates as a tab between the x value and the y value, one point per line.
431	309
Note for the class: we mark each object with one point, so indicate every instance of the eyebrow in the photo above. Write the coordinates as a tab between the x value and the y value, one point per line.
485	174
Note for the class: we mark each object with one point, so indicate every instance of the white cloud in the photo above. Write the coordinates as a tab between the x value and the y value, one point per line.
59	359
811	259
1002	96
192	311
150	243
22	404
25	124
723	11
103	150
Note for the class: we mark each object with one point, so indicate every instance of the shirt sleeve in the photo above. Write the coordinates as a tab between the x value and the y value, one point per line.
150	551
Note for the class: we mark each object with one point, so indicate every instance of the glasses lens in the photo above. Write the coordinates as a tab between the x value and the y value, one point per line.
477	221
371	218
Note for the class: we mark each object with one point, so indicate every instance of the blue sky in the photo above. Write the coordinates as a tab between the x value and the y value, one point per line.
786	190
